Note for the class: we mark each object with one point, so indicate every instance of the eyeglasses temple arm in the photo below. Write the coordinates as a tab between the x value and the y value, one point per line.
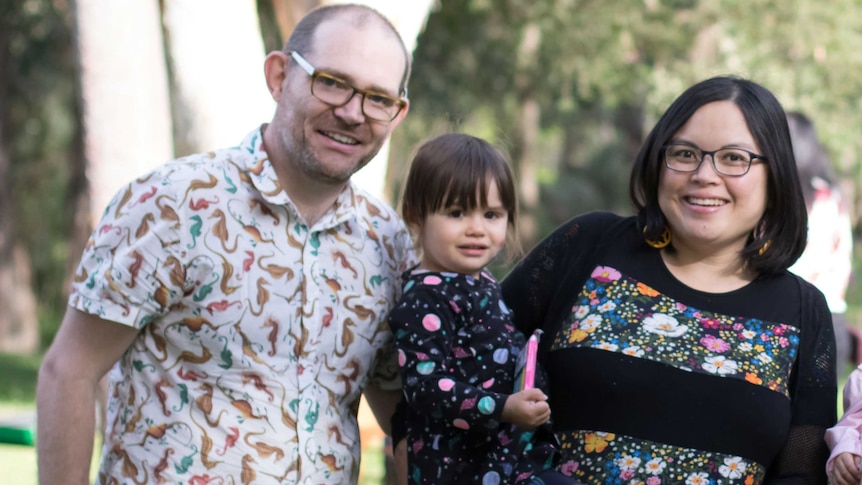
302	63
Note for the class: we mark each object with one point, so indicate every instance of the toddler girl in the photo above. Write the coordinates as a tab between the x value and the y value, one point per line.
457	346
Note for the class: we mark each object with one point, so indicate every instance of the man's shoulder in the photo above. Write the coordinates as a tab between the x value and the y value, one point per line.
373	208
381	224
207	162
248	155
205	169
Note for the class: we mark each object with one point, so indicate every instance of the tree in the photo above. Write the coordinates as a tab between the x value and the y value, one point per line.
18	325
34	134
124	88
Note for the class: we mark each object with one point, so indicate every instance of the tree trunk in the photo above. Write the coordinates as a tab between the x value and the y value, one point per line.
525	165
19	330
288	13
124	91
215	51
527	136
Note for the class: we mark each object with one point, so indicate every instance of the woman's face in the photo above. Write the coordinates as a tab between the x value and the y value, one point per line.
707	211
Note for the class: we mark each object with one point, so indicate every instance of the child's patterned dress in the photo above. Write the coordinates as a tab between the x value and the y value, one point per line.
457	350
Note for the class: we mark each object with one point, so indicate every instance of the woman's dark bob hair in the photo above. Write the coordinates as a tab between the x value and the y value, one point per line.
784	224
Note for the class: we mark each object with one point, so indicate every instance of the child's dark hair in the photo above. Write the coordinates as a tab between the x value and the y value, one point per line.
456	169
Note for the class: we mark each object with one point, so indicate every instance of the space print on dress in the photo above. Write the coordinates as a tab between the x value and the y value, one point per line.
457	351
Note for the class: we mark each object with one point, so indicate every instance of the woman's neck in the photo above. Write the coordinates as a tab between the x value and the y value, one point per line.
719	273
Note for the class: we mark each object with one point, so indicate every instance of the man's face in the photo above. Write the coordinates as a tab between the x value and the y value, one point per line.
328	144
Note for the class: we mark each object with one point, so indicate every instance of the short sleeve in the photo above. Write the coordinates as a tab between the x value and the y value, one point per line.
131	270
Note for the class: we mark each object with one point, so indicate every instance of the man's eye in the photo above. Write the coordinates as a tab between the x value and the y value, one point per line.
380	100
331	83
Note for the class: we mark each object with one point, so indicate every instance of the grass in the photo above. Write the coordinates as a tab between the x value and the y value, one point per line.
17	404
18	464
17	398
18	386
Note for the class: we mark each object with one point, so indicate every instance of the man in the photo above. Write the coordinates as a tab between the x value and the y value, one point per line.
241	295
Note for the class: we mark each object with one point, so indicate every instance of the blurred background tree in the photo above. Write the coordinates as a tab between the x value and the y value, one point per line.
569	87
38	159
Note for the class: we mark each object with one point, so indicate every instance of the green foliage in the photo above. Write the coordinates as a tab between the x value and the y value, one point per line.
603	70
18	385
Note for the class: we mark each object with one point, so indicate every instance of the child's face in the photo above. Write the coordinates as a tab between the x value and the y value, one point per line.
460	241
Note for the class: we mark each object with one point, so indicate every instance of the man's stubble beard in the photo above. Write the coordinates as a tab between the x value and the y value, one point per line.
309	164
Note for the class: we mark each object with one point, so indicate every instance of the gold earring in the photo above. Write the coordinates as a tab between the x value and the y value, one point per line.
764	248
662	241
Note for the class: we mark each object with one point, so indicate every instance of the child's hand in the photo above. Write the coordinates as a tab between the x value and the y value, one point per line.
527	408
845	469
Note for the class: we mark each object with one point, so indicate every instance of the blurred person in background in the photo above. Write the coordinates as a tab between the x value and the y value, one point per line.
827	261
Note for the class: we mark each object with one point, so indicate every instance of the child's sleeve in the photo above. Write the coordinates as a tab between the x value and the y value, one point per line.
424	327
844	436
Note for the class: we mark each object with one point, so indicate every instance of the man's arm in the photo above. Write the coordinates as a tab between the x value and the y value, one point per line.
83	350
382	404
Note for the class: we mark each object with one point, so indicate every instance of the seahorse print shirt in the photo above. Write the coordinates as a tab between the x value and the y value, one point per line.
257	332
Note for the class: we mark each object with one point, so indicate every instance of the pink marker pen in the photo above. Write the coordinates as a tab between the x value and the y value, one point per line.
530	363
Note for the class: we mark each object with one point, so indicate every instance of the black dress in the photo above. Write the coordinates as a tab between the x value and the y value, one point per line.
457	349
654	382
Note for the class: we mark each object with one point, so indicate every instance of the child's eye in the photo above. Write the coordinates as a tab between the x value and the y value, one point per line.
455	213
492	215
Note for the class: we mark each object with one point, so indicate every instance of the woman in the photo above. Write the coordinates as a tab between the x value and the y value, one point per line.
678	347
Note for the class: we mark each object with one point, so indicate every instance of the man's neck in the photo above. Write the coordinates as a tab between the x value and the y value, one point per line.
313	208
311	197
